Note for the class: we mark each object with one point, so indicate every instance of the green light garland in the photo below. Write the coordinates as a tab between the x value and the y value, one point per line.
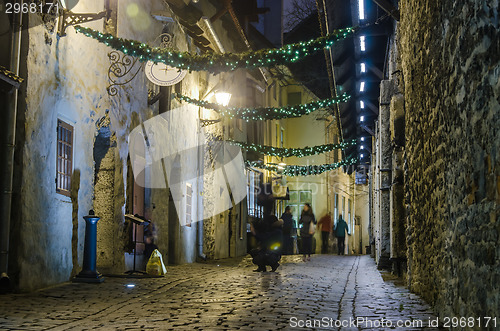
288	152
296	170
216	62
264	113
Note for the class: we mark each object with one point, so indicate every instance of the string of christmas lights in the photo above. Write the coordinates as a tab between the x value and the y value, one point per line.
264	113
288	152
296	170
216	62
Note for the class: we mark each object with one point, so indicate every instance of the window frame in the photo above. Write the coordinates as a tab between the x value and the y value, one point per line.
64	172
298	205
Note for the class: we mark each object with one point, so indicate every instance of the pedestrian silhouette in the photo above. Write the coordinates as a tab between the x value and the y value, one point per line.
306	217
326	228
288	227
340	230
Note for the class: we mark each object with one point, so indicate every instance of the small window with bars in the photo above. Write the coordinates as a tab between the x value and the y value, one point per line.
189	204
64	165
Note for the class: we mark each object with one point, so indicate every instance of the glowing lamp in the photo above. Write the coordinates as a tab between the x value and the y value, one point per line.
222	98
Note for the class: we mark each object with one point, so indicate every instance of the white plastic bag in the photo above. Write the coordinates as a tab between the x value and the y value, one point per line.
312	227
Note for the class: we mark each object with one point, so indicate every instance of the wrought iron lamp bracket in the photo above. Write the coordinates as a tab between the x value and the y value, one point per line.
205	123
69	18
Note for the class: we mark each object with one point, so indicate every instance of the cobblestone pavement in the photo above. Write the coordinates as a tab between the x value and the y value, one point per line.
225	296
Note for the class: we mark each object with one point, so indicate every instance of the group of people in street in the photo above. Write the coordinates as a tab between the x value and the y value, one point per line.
276	236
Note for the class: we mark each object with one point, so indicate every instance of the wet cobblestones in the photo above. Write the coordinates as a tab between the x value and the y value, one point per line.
225	296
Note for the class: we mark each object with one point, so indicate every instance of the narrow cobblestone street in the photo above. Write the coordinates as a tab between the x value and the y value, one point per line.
225	296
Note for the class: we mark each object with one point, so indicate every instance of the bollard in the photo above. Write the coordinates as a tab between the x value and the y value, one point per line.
89	273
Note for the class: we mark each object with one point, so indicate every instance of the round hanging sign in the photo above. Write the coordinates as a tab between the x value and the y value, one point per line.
162	74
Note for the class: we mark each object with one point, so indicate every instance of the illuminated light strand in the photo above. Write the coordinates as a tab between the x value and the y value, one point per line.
289	152
218	62
264	113
296	170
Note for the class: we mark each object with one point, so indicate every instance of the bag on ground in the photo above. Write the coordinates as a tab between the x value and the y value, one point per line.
155	266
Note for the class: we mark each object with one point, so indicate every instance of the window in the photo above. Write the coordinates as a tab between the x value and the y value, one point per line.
336	208
253	183
362	43
297	201
189	204
254	99
282	137
349	220
277	135
343	208
64	163
361	7
294	98
336	152
363	67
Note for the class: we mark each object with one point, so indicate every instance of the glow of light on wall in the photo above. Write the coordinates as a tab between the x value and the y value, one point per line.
362	147
362	87
363	67
362	104
361	155
362	43
362	138
132	10
361	118
361	6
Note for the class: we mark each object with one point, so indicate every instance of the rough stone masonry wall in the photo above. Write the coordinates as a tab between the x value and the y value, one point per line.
450	53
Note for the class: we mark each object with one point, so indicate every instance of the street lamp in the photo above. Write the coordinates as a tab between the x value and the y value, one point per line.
222	98
68	4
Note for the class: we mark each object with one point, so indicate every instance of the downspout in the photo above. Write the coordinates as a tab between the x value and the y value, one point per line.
199	218
8	173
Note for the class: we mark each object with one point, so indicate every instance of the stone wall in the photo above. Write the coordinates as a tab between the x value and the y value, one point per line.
450	57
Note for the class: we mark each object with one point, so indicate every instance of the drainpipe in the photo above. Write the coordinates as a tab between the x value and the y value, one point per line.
7	175
199	218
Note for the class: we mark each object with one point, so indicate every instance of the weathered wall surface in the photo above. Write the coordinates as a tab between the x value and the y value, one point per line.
66	78
450	55
45	225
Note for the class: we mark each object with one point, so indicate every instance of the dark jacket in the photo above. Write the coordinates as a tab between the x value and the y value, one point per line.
287	223
341	228
305	220
268	234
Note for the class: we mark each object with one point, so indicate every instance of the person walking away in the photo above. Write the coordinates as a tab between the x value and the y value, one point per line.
306	218
326	228
340	230
287	231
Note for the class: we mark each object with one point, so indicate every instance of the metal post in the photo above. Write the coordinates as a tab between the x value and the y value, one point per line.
89	273
8	171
